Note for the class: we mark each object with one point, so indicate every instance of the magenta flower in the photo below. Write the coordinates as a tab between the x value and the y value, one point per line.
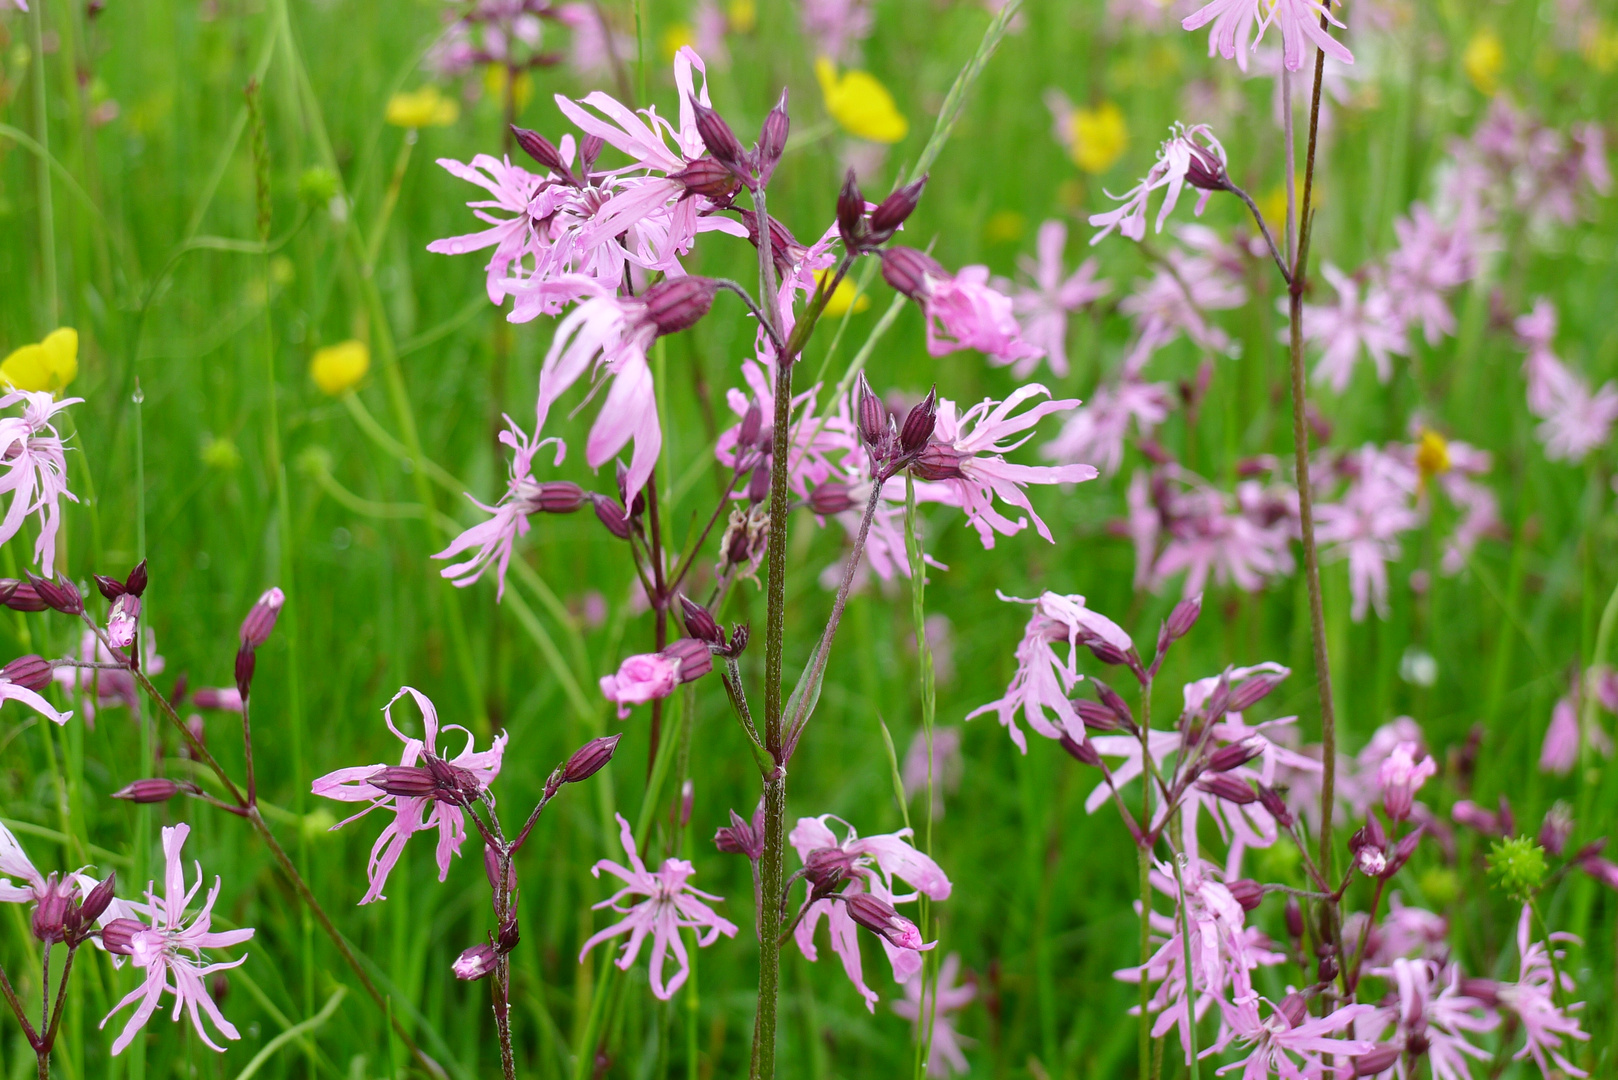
814	441
1190	155
524	495
35	470
170	951
965	457
1354	322
1044	308
1429	263
1043	679
1432	1017
516	192
671	905
471	771
869	866
1096	430
963	310
945	997
1365	525
1242	539
1289	1042
649	676
1400	775
16	691
1533	999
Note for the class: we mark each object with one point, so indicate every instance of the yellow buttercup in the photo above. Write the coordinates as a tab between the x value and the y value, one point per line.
421	108
860	104
337	369
49	365
843	298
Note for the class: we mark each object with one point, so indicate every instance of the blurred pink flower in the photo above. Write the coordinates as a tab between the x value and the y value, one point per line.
108	687
836	27
1045	306
170	952
1243	539
1429	263
962	309
1431	1016
493	539
671	905
1190	155
35	470
649	676
1364	526
412	814
945	997
1343	329
1096	430
1400	775
946	765
1561	748
1532	998
593	43
1234	22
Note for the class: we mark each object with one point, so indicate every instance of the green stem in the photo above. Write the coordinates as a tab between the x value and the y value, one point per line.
42	135
1190	981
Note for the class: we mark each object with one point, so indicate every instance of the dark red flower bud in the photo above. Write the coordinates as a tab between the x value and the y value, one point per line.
1109	697
135	583
95	903
51	910
1228	788
1328	969
938	462
261	619
1235	755
475	963
707	176
772	139
20	595
720	140
611	514
693	656
676	304
557	497
752	421
1402	851
1082	752
543	151
111	588
589	759
405	781
1252	691
491	869
851	214
246	661
590	148
907	270
1468	813
917	429
1276	805
699	623
1104	650
741	837
1294	918
509	936
871	415
30	672
60	595
1184	617
879	917
826	868
1378	1061
1096	717
1206	171
1218	702
1295	1007
832	497
1508	820
154	790
1248	893
1486	991
118	936
758	484
892	211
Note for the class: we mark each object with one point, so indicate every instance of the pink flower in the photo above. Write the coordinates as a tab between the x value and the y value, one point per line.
1096	430
962	310
945	765
671	905
945	997
471	771
1575	420
1234	20
593	44
108	687
1289	1033
11	691
1043	679
36	470
524	495
1532	998
518	193
1044	308
1178	297
869	866
1190	155
1401	775
1243	538
649	676
836	27
965	457
1365	525
170	951
1351	324
1566	735
1429	263
1432	1017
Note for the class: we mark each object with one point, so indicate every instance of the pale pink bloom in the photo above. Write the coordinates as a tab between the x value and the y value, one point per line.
1577	421
945	765
1404	931
514	190
1343	329
1178	297
1234	22
1566	735
966	457
1190	155
649	676
941	999
1532	998
1431	1006
709	27
1044	308
963	311
412	814
1242	539
1289	1042
815	440
1401	775
1537	329
170	952
1428	264
836	27
671	905
36	470
1096	430
1044	680
1364	526
870	865
224	698
123	620
10	691
107	687
1478	504
14	863
593	43
493	539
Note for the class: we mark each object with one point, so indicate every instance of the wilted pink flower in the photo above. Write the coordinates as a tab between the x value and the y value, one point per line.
170	951
1533	999
1365	525
1096	430
962	309
1045	680
869	866
35	470
1190	155
966	458
1401	775
649	676
524	496
476	769
1044	308
671	905
1341	330
932	1009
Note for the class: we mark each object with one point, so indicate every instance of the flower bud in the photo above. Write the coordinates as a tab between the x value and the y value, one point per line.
154	790
1468	813
123	621
1184	617
1104	650
246	661
871	415
1252	691
111	588
1232	790
475	963
1370	861
543	151
1276	805
1082	752
590	148
675	304
772	139
491	869
1402	851
1556	828
135	583
938	462
758	485
707	176
752	421
832	497
30	672
556	497
95	903
51	910
58	595
1235	755
693	658
509	936
1485	990
589	759
1248	893
1328	969
610	512
261	619
879	917
741	837
1109	697
892	211
720	140
1295	1007
118	936
1096	717
20	595
851	214
1218	703
405	781
917	429
226	699
1294	918
826	868
1378	1061
688	801
907	270
1205	171
699	623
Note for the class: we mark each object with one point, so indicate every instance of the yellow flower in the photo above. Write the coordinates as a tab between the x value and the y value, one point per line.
1600	47
843	299
1274	204
677	37
743	15
337	369
860	104
1099	137
1484	60
49	365
494	81
1432	455
421	108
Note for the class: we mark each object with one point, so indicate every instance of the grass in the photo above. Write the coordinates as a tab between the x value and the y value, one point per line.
187	322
